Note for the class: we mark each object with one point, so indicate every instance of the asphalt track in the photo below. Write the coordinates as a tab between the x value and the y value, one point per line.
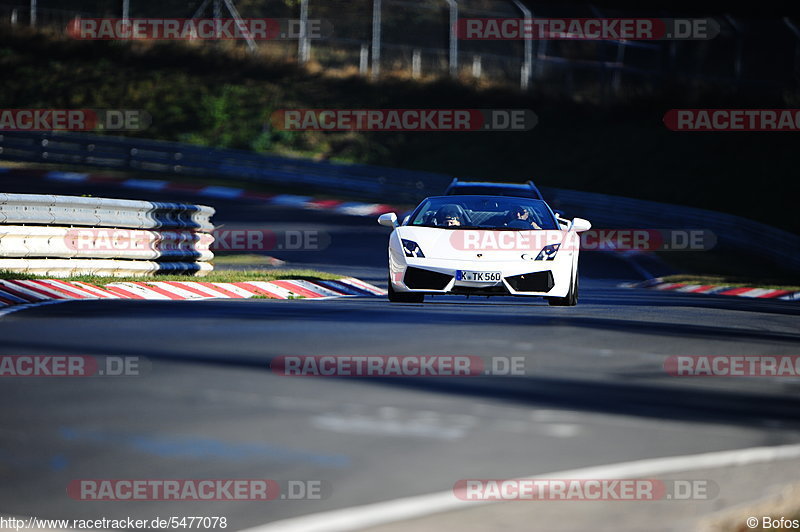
208	406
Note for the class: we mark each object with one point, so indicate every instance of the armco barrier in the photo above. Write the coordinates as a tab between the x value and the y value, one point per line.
385	184
101	212
175	158
102	267
732	232
103	243
67	235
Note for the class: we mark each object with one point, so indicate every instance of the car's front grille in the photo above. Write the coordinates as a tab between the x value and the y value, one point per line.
499	290
419	279
532	282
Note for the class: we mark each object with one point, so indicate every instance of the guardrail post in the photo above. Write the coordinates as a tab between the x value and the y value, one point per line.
477	67
416	63
33	12
14	17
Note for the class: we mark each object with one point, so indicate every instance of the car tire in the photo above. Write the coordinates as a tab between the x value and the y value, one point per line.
404	297
571	298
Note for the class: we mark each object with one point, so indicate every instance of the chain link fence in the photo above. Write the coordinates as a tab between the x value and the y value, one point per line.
416	39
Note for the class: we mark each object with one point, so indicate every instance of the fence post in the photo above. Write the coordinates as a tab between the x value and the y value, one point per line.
303	43
527	65
251	43
126	11
363	60
416	63
376	38
477	67
217	11
14	17
453	37
33	12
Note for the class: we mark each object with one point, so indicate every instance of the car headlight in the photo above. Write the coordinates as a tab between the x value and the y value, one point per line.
412	249
548	252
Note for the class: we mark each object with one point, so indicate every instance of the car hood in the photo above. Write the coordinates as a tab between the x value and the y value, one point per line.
484	244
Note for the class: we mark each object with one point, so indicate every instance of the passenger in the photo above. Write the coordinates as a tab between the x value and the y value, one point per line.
521	219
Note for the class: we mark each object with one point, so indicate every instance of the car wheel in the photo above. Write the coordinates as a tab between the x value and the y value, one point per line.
404	297
571	298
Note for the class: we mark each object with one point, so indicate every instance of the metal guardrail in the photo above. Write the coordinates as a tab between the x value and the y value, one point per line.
67	235
101	212
103	243
182	159
732	232
102	267
385	184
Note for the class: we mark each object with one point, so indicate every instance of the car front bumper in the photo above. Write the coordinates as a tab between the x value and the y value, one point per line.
518	278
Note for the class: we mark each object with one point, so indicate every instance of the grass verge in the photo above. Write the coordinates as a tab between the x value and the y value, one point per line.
246	259
232	276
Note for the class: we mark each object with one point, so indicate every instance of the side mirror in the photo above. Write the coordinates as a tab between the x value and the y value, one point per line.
389	219
579	224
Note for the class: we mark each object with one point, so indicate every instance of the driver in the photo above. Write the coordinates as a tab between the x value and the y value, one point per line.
521	219
449	216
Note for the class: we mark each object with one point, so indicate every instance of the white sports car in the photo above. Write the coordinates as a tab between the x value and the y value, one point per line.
486	246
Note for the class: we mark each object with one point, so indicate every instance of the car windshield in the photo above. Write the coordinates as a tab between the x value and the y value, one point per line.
483	212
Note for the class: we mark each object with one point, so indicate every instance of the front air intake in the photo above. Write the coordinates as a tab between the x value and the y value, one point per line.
419	279
532	282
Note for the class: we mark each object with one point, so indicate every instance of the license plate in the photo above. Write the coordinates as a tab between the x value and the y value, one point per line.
478	277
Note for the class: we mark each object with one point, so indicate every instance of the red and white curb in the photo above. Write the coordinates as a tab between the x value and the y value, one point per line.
38	291
718	290
351	208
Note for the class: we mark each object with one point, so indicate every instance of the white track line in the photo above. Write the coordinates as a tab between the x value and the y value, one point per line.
360	517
